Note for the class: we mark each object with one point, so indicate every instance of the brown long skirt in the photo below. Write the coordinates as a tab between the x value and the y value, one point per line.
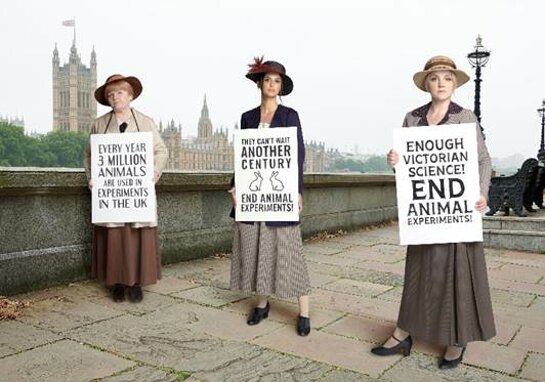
269	261
126	255
446	297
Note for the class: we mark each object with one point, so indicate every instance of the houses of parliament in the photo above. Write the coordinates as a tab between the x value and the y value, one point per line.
74	109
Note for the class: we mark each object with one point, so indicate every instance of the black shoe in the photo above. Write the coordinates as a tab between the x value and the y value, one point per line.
118	293
451	363
403	347
303	326
259	314
135	293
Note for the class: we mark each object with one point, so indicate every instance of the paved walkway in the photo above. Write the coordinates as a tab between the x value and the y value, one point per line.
191	327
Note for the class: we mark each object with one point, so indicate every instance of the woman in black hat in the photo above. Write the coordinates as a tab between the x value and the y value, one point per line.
126	255
446	297
267	256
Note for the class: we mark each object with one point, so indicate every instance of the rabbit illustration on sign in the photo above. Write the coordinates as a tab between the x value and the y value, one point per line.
276	184
255	185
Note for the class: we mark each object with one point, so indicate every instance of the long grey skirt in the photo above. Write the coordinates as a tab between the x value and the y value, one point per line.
269	261
446	297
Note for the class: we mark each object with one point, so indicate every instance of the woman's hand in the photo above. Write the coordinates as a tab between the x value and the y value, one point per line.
233	192
300	203
90	184
481	204
156	177
392	158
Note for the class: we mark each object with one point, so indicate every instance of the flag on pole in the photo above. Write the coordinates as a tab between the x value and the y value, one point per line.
69	23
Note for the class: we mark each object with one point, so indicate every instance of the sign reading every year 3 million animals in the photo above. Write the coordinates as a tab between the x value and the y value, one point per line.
122	174
266	174
437	181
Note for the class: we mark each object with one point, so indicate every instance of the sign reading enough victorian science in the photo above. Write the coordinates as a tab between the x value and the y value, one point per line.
437	181
266	171
122	174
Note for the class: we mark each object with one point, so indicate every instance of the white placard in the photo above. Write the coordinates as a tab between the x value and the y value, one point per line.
122	174
437	182
266	177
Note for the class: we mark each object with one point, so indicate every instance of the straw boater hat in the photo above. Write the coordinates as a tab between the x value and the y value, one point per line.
136	85
259	68
435	64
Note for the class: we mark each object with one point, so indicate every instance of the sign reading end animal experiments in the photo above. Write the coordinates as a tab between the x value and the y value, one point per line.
122	176
437	181
266	177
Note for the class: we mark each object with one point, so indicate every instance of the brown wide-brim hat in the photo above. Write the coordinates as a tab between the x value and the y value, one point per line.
259	68
136	85
439	63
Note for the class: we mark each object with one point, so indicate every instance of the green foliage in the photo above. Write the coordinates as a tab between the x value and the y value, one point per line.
55	149
375	163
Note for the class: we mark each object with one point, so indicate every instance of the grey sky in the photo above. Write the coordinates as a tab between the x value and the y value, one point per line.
351	61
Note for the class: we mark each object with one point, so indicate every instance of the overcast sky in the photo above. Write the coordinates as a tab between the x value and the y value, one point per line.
351	61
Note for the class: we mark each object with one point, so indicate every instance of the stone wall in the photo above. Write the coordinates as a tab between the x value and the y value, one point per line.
45	230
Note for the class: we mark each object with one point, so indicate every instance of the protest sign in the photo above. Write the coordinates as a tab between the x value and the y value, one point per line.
266	177
437	181
122	175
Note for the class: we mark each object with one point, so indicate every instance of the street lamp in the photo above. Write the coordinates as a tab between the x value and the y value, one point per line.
541	152
478	58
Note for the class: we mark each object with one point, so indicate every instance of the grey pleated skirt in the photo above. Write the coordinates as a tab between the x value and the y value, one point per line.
446	297
269	261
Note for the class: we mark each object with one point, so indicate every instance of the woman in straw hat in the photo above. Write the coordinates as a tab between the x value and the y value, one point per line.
126	255
267	256
446	297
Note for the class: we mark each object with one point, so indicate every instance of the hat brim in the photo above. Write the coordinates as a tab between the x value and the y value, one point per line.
419	78
136	85
287	83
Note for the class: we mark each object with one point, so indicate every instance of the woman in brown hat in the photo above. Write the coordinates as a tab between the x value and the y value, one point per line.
267	256
126	255
446	297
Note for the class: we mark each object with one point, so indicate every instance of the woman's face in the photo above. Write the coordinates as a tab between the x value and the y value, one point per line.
271	85
119	96
441	85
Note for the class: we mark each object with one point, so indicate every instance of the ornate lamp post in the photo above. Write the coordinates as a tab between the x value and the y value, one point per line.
541	152
478	58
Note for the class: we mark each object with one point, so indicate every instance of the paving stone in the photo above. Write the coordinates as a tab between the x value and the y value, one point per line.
362	328
287	312
530	339
318	279
357	239
197	270
169	285
62	361
423	368
379	266
373	254
335	259
355	273
494	357
346	376
517	286
16	336
371	307
500	296
143	373
359	288
210	295
505	331
519	316
349	354
63	313
150	303
319	248
534	367
393	295
518	273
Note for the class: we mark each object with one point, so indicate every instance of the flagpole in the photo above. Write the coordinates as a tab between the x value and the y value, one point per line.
74	18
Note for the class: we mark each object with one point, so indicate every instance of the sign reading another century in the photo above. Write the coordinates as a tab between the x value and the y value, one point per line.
437	180
266	177
122	174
